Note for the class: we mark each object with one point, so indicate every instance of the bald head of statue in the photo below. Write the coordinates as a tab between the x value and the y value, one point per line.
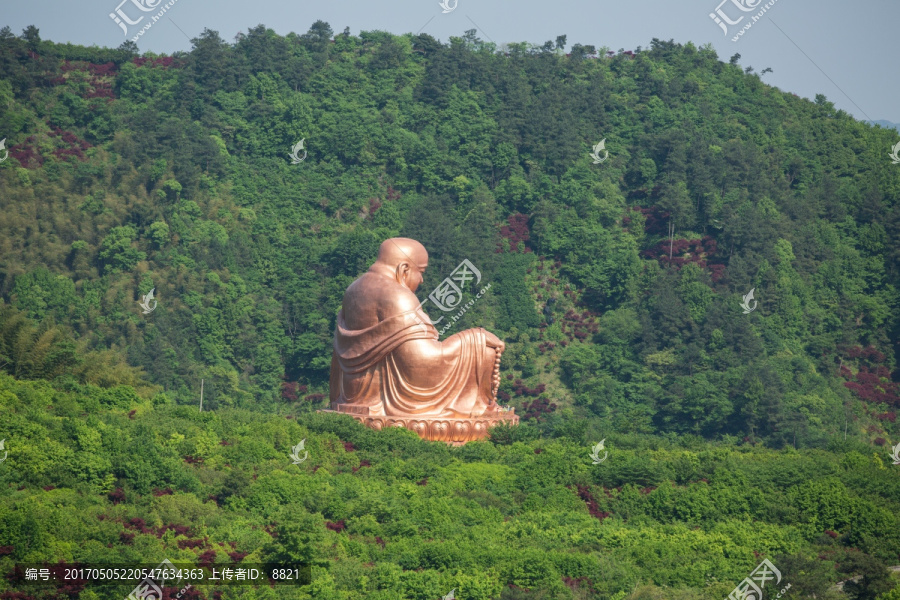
403	260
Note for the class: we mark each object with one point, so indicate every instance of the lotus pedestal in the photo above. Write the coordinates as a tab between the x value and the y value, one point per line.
436	429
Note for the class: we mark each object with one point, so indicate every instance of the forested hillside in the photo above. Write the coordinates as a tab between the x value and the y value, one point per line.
734	435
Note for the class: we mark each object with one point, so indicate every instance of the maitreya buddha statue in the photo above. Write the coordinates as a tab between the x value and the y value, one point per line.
389	367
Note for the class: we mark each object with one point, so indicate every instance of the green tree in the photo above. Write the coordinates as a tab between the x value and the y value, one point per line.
117	252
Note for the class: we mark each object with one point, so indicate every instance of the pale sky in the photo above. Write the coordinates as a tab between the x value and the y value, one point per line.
845	50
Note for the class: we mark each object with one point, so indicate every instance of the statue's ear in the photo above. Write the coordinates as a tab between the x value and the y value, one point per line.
402	272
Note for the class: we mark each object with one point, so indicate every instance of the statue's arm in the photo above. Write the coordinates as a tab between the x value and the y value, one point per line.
429	353
492	340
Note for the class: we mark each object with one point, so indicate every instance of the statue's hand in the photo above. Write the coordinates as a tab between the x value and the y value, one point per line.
494	342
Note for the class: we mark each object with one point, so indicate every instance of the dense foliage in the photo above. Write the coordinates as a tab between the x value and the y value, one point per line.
617	287
384	515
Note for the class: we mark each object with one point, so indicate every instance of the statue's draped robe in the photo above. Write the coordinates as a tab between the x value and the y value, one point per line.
368	372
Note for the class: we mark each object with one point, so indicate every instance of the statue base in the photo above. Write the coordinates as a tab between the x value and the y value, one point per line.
435	429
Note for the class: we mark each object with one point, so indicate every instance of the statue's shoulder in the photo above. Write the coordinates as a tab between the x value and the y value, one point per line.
405	301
